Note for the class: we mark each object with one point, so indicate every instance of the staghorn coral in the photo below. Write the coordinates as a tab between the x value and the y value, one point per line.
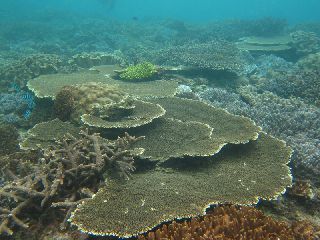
68	173
233	223
141	71
239	174
9	139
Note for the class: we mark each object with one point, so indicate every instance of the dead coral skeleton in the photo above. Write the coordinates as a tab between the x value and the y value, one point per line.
67	173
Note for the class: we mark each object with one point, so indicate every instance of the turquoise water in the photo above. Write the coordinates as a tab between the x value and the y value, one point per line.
189	10
118	117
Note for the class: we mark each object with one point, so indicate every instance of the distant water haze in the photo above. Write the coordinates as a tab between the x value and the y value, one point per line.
187	10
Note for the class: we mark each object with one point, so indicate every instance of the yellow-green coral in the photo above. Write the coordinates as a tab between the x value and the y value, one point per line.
140	71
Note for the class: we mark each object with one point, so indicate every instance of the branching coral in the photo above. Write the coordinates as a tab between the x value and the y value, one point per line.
141	71
231	222
67	174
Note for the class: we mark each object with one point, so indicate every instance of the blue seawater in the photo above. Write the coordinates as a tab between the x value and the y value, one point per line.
188	10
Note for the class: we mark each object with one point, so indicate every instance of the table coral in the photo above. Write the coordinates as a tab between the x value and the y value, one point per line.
240	174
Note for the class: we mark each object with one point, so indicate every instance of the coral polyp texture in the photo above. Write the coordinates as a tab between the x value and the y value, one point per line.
141	71
232	222
239	174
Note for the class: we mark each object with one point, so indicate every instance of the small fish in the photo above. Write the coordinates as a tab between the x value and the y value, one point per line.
135	18
13	87
27	96
27	114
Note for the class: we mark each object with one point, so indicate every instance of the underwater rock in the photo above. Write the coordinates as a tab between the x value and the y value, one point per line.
240	174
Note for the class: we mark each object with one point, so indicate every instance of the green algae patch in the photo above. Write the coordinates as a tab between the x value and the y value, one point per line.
227	128
45	134
140	113
240	174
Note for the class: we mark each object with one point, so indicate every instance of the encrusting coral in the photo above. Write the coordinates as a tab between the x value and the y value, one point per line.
233	223
67	173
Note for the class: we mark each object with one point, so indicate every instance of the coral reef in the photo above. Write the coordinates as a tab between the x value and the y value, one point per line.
305	42
30	67
68	173
302	189
87	60
9	139
126	114
232	222
141	71
44	134
310	63
214	55
65	103
274	45
289	80
289	119
50	85
16	107
227	128
240	174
